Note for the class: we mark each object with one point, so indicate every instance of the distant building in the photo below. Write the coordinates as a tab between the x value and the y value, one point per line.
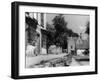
77	43
82	44
71	44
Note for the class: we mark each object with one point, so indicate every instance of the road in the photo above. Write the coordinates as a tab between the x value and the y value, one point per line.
77	63
36	59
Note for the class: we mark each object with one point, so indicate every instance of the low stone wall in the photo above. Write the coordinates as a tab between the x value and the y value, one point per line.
36	59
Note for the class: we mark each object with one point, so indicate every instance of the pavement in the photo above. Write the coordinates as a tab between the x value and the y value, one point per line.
78	63
75	63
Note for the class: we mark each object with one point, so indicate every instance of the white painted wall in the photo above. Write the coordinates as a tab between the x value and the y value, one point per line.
5	41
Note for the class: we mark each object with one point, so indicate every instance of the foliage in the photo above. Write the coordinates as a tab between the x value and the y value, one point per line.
50	35
62	32
59	23
50	27
88	28
32	25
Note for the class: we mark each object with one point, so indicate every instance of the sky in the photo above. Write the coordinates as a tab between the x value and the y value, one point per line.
75	22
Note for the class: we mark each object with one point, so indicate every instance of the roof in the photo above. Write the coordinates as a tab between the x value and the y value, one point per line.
82	44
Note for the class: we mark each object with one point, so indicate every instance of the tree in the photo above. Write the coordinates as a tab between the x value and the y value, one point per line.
59	23
60	34
50	27
88	28
50	34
